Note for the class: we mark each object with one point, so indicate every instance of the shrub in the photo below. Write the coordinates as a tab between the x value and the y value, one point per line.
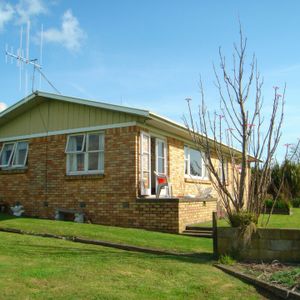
269	203
280	204
296	202
242	219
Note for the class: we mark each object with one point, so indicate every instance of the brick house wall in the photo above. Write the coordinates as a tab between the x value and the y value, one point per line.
44	185
109	199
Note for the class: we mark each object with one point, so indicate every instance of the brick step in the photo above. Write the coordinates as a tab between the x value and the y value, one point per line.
198	228
197	234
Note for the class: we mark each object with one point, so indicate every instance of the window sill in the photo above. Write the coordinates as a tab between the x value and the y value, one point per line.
83	176
10	171
197	180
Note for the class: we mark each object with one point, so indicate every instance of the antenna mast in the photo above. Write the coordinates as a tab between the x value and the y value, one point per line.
22	60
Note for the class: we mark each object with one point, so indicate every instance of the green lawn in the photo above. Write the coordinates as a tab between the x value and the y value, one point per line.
44	268
136	237
276	221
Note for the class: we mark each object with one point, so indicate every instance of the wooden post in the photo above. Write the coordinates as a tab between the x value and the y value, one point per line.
215	233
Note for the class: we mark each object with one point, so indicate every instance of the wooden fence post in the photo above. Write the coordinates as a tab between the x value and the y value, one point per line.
215	234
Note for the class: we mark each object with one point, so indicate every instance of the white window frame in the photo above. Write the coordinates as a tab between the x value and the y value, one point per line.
204	175
10	164
85	152
145	191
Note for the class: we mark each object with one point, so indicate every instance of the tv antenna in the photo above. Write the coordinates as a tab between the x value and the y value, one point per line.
23	60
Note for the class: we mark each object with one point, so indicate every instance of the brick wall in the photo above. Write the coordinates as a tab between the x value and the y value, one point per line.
172	215
157	214
193	211
44	186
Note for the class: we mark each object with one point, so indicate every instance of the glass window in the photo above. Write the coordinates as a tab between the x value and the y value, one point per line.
194	165
85	153
14	154
20	156
161	156
6	154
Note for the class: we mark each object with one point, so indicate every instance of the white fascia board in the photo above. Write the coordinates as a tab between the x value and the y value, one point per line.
67	131
171	122
18	104
179	127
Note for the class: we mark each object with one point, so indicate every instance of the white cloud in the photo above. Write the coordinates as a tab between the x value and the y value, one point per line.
3	106
70	35
29	8
6	14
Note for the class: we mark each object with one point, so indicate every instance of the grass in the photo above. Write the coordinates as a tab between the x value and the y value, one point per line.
43	268
136	237
276	221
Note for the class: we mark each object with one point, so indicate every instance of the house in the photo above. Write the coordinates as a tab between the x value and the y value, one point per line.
64	153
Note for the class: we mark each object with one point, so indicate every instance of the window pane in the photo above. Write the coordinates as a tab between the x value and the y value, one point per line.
161	165
145	158
20	154
225	167
160	149
6	154
96	142
94	161
146	180
75	143
195	163
145	143
76	162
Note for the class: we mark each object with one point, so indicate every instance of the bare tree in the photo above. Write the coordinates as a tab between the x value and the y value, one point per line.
238	136
293	152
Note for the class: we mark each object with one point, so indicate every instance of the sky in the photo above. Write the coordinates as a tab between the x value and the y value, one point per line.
150	54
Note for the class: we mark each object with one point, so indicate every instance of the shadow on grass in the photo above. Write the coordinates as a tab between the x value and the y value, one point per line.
4	217
29	248
40	248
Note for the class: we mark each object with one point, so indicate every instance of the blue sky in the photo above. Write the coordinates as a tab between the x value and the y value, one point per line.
149	54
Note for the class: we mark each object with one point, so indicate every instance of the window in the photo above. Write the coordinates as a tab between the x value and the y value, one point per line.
14	155
85	153
194	165
220	171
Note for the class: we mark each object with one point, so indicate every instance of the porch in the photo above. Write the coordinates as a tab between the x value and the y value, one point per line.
173	214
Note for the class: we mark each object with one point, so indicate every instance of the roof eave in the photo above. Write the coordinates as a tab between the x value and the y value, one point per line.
181	128
114	107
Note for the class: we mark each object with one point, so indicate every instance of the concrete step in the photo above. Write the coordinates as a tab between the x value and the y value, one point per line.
199	231
197	234
191	227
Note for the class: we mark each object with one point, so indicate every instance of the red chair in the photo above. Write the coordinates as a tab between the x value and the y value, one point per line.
162	181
